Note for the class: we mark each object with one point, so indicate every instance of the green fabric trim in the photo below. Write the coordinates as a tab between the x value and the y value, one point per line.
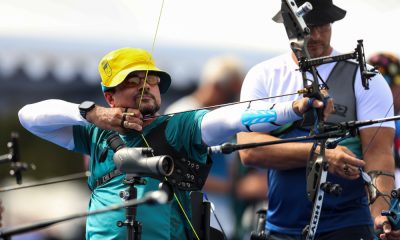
281	129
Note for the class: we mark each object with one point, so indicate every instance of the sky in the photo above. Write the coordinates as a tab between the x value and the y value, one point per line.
87	29
221	23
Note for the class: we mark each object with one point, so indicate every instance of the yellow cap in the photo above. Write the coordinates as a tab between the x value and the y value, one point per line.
116	65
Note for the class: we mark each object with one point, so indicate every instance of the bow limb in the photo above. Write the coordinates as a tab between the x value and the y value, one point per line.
299	34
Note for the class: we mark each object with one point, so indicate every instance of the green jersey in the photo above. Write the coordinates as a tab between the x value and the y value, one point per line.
165	221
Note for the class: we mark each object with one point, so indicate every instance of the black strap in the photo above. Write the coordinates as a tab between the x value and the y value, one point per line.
247	126
274	123
188	174
374	174
107	177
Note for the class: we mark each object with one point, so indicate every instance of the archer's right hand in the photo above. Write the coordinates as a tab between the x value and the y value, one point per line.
343	162
117	119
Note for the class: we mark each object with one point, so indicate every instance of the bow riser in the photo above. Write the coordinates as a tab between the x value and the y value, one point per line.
299	34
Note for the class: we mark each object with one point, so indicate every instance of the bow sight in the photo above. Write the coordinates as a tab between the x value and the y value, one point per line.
358	54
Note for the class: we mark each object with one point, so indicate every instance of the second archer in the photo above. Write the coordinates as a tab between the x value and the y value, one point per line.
347	216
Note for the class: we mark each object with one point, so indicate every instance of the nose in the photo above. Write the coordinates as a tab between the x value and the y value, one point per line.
143	85
314	33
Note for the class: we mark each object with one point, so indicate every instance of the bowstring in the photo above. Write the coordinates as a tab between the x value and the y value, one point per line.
373	139
380	125
140	102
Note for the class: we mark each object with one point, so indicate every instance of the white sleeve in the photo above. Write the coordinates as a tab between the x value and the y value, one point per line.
254	85
52	120
222	123
377	102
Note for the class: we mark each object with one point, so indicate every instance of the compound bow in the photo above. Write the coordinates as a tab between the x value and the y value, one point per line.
317	166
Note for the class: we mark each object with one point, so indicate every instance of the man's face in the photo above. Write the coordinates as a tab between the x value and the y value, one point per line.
133	93
319	44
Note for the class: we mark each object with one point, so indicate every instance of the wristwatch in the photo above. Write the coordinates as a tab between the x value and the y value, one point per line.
85	107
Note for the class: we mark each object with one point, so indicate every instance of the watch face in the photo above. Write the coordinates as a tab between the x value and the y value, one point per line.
86	105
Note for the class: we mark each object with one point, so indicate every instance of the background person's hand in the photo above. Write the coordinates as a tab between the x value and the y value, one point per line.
382	225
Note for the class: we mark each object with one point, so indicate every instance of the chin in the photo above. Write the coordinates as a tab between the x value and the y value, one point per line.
316	54
149	110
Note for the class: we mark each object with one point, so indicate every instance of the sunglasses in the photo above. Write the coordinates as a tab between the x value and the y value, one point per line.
135	80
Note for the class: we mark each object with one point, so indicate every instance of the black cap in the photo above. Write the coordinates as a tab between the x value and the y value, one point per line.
323	12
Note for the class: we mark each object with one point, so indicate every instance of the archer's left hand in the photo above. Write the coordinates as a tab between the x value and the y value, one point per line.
382	224
302	105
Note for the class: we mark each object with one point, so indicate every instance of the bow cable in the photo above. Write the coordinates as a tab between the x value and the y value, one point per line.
302	91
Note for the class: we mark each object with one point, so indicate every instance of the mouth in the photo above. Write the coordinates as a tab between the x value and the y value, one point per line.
313	44
144	97
146	104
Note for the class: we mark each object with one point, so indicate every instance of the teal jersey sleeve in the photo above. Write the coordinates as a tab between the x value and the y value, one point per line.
81	136
92	141
354	144
183	132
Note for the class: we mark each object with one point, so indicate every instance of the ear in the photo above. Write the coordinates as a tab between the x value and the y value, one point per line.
109	96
